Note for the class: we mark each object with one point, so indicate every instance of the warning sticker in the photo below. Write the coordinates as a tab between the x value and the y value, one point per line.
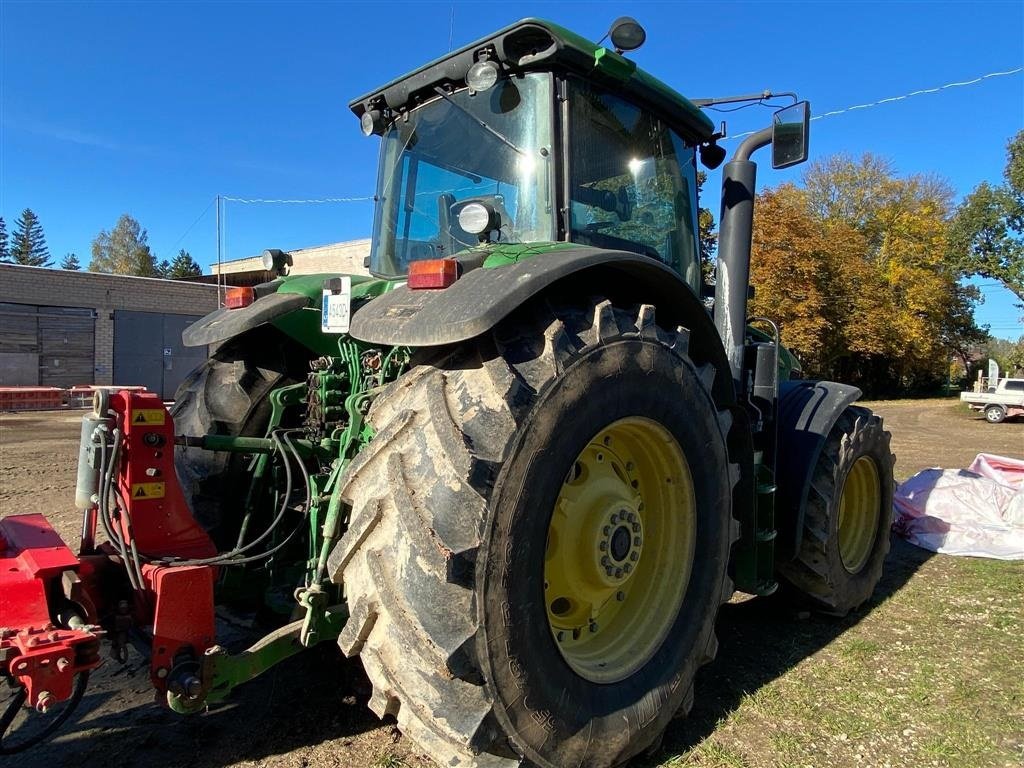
147	490
148	416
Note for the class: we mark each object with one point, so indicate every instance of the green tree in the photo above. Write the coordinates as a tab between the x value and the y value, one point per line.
28	245
987	236
124	250
183	265
4	254
70	261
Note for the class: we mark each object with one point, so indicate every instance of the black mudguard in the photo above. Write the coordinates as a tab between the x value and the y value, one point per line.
479	299
807	412
223	324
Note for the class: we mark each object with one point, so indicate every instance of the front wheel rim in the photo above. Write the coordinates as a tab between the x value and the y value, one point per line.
620	549
859	512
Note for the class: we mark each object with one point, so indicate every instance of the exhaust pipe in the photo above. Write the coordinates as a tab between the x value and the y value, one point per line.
736	221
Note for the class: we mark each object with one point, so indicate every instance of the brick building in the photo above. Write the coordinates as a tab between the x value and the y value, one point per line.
62	328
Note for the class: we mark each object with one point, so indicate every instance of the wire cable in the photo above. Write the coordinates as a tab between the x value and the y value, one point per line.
322	200
891	99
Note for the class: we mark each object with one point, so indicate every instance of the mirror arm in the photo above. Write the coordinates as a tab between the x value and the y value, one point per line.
753	143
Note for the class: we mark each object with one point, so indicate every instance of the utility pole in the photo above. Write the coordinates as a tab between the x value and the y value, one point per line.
220	291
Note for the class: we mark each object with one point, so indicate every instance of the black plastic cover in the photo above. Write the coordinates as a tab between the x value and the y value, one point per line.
807	412
482	297
223	324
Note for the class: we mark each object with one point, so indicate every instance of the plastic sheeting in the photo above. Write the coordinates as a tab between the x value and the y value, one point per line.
977	512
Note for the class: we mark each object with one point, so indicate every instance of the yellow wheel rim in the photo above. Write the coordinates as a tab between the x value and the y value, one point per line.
859	510
620	549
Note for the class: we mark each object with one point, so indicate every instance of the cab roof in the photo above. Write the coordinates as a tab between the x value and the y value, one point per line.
532	45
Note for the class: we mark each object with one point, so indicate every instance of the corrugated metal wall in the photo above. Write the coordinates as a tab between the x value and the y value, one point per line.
63	339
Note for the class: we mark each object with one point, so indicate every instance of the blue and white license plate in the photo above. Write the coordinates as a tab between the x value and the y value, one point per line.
335	314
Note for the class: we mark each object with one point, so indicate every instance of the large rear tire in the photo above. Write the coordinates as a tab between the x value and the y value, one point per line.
447	558
229	395
847	517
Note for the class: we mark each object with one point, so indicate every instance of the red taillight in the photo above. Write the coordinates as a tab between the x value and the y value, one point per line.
433	273
238	297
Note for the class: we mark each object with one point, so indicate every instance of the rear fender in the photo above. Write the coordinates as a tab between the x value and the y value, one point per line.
482	297
290	304
807	412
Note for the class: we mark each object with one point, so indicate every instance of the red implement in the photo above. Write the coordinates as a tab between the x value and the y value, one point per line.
41	656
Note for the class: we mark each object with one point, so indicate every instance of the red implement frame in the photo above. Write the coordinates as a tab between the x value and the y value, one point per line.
42	657
176	606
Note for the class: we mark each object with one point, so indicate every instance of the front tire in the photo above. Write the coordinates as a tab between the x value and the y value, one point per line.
847	516
452	503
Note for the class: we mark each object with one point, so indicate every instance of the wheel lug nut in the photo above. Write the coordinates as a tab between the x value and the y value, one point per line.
636	527
593	626
637	541
627	567
618	573
614	518
630	517
620	596
634	556
608	571
605	561
606	530
603	546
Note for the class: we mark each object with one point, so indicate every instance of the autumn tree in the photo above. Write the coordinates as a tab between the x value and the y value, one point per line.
854	266
706	233
987	236
124	250
28	244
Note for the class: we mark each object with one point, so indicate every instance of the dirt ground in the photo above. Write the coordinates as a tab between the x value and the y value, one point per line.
893	685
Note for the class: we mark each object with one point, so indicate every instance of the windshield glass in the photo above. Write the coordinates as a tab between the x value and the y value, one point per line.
442	156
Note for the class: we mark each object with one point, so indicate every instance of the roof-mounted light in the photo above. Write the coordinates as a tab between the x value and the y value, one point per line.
483	75
372	122
626	34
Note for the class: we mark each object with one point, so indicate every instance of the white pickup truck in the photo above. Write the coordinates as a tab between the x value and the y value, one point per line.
1006	399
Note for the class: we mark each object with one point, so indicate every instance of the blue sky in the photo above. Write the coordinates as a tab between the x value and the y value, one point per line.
153	109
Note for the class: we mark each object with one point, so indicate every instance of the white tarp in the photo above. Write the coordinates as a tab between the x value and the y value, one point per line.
978	512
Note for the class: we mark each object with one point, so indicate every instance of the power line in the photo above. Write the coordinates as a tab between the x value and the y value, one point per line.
892	99
322	200
198	219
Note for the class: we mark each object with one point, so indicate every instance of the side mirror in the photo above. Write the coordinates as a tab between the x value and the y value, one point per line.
791	128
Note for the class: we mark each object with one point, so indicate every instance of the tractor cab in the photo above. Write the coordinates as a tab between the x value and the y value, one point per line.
532	138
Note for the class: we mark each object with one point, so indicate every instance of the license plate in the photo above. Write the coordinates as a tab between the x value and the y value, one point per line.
334	317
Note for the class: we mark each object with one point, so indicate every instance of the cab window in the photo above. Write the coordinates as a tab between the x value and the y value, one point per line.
633	182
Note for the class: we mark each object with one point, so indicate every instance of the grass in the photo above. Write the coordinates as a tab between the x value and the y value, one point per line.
389	760
929	675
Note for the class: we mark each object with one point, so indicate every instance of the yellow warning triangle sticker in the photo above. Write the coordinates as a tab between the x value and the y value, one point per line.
140	418
140	492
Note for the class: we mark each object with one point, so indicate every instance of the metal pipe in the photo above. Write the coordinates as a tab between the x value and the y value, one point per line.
739	183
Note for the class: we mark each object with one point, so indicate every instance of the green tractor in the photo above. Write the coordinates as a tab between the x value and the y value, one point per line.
519	468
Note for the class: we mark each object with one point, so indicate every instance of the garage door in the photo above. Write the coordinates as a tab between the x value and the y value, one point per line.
148	351
46	346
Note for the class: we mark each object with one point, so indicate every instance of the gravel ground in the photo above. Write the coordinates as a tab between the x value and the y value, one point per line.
889	686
